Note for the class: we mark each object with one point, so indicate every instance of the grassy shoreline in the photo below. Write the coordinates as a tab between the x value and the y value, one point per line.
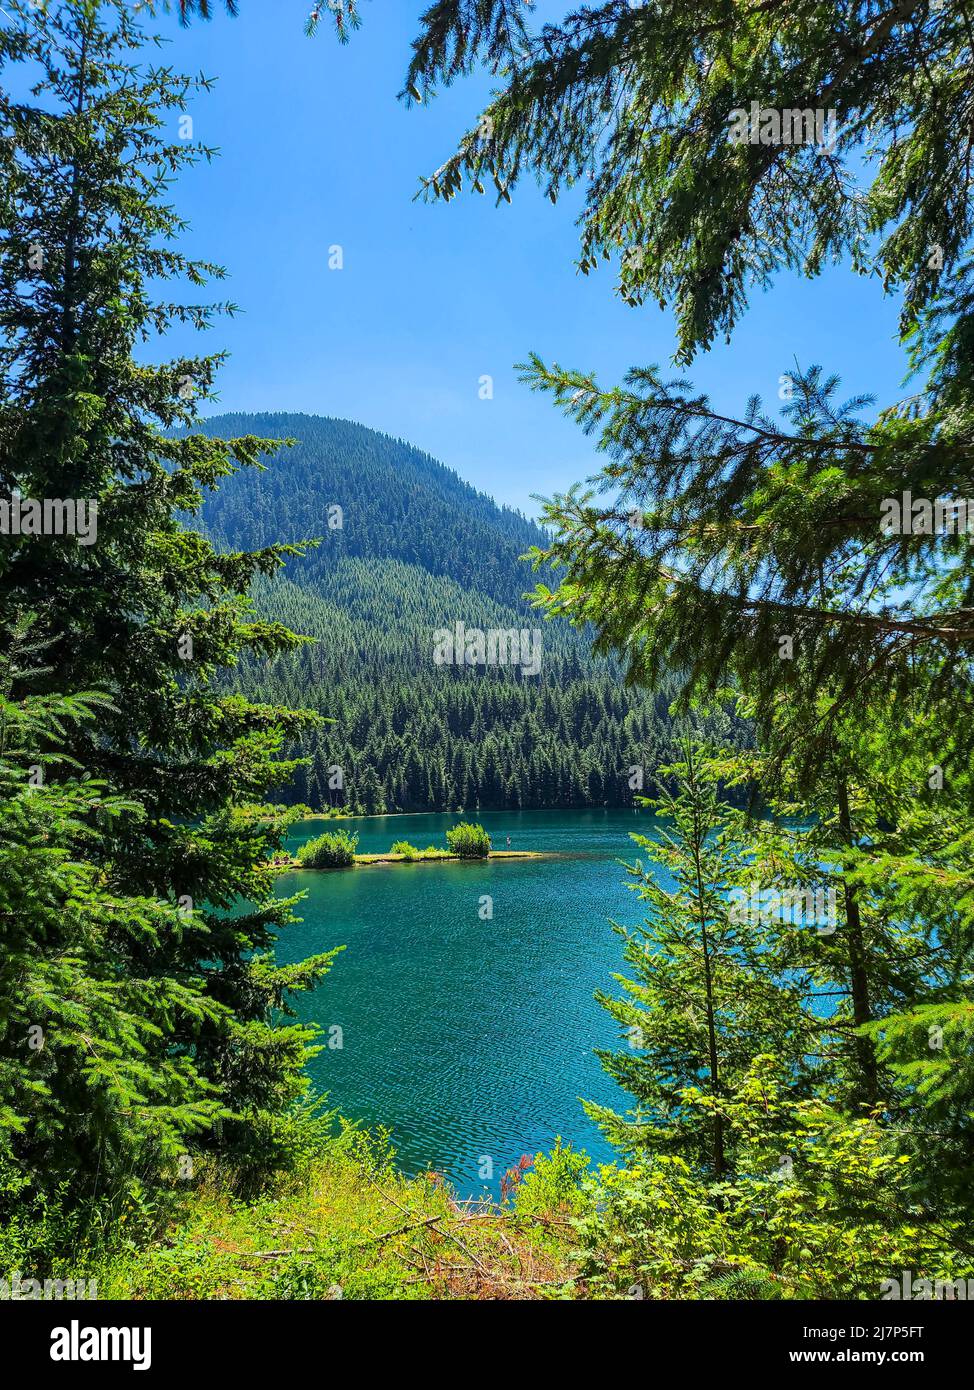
464	841
369	860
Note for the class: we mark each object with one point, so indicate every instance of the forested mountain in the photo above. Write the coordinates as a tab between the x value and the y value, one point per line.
414	549
397	504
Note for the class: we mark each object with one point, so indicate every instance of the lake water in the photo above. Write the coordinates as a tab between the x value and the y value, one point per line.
471	1038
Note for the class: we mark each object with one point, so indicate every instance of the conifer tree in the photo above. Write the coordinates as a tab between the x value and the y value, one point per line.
707	994
150	613
752	552
91	1093
643	106
891	989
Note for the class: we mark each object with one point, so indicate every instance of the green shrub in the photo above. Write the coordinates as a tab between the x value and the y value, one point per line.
329	851
404	848
468	841
553	1185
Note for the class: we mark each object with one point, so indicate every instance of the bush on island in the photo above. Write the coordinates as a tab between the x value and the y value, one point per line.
329	851
468	841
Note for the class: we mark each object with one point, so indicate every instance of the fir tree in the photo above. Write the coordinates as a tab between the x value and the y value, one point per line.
705	996
643	105
149	614
91	1092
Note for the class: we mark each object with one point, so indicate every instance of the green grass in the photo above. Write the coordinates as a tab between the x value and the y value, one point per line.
348	1226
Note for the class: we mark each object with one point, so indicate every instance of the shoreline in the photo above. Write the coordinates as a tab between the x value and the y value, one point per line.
474	811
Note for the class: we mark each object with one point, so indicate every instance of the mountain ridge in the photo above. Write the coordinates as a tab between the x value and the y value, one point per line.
429	516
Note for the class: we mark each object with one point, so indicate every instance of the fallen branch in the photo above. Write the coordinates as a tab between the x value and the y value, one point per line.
268	1254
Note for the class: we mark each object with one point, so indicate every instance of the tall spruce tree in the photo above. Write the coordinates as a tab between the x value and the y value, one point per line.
743	1173
883	878
148	615
707	995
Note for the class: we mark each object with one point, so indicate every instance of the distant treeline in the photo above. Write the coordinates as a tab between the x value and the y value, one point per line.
407	735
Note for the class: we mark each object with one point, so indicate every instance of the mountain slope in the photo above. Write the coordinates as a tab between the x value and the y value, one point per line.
397	503
419	550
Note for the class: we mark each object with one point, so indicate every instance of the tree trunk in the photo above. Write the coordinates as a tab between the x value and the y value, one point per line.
868	1087
699	832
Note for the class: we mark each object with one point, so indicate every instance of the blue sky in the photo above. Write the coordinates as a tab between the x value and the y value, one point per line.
317	151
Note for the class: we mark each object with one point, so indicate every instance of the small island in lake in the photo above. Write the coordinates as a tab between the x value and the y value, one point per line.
337	850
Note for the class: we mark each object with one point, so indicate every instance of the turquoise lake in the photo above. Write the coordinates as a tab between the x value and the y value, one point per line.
471	1039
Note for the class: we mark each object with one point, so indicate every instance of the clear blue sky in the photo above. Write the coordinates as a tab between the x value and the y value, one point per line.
316	150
